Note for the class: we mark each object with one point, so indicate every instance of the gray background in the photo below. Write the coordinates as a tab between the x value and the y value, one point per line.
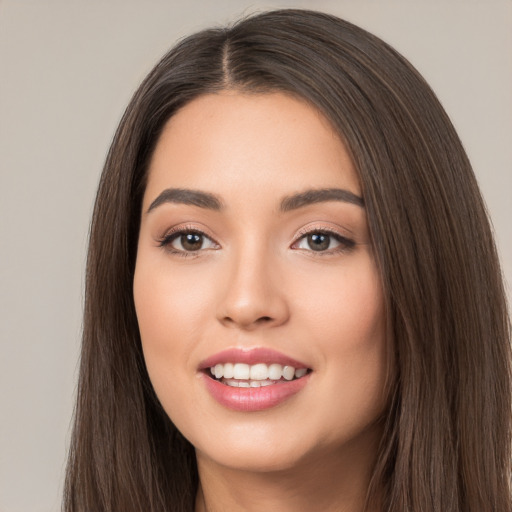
67	71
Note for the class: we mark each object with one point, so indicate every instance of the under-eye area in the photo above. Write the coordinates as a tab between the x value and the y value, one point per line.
258	375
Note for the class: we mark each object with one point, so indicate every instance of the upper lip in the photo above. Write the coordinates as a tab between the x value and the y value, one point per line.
250	356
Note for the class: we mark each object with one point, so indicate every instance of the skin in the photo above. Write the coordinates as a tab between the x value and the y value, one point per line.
256	282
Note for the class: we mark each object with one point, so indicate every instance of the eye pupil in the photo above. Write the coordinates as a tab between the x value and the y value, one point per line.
318	241
191	241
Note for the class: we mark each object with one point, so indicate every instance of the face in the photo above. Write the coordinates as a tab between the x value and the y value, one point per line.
254	262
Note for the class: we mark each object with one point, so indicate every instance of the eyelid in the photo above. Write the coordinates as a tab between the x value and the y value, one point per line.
324	228
170	234
346	243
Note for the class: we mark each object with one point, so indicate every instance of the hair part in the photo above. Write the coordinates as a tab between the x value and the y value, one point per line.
447	437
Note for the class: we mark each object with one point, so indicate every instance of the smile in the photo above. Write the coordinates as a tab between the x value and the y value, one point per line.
253	379
256	375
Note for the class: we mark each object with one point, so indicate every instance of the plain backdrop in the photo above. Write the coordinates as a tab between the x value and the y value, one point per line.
67	71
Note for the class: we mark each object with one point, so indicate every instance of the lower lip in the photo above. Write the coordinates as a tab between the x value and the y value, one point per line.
253	399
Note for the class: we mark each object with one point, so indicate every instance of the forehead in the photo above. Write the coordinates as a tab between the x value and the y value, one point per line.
250	144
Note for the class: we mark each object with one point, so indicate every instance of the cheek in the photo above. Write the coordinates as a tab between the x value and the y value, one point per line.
346	307
170	306
346	318
361	339
172	313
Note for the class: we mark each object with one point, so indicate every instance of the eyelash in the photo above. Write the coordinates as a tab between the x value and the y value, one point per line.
346	244
166	241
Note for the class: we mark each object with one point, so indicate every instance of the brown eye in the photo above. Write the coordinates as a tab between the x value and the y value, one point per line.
318	241
191	241
187	242
323	241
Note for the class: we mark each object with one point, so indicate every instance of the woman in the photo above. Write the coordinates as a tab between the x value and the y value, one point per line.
293	296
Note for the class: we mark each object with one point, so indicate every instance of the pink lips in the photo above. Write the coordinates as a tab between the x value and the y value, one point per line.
250	356
252	399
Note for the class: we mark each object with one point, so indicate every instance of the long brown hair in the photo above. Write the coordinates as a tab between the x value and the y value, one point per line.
447	439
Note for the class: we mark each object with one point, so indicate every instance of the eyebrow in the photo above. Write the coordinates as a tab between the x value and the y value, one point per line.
187	196
319	196
292	202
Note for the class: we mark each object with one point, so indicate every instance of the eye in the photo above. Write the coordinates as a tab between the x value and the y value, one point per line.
323	241
187	241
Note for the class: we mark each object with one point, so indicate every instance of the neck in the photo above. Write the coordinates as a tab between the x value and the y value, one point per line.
337	481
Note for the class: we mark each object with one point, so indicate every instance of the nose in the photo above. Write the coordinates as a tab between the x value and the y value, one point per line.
253	295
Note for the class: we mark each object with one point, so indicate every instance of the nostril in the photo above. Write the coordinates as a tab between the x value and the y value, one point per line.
264	319
244	323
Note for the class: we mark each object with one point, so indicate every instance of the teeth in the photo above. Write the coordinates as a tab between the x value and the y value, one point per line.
256	372
240	371
288	372
300	372
259	372
275	371
228	371
248	384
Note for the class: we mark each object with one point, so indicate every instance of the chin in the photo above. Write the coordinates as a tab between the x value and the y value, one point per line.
253	458
265	448
260	446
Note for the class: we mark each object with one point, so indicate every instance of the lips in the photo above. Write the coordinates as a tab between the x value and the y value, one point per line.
253	379
251	356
